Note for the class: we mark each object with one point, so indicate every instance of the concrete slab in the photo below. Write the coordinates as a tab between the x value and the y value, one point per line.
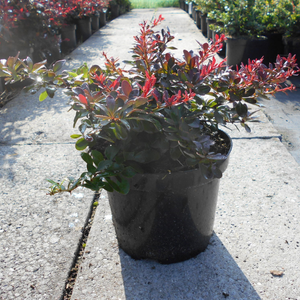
256	232
39	233
283	111
26	120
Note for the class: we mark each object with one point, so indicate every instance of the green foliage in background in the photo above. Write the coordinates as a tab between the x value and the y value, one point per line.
154	3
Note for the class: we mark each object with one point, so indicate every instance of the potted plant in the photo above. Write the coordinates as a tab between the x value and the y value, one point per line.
243	29
273	17
27	28
150	135
114	9
203	9
291	37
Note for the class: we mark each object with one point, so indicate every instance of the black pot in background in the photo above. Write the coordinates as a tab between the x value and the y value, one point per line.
68	38
292	45
203	24
209	32
275	47
194	13
186	6
181	4
239	50
84	29
115	11
102	19
166	217
198	19
95	23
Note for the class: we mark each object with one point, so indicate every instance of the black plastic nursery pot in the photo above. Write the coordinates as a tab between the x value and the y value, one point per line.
166	217
115	10
102	19
239	50
84	29
209	31
203	24
95	23
198	19
292	45
68	37
275	47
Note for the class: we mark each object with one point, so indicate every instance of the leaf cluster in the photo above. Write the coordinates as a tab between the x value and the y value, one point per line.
253	18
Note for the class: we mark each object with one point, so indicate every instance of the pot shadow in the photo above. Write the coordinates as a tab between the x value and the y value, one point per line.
213	274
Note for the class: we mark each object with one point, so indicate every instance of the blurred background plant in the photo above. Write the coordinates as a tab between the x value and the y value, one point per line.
34	27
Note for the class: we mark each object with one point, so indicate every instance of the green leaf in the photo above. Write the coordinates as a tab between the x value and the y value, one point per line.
81	144
201	89
107	187
219	117
171	137
146	156
111	152
248	129
140	101
120	132
87	158
29	63
241	109
75	136
175	153
191	161
91	168
58	65
92	186
97	157
125	123
250	92
72	74
104	164
4	73
53	182
171	62
10	61
43	96
149	127
114	185
212	102
39	65
128	172
233	96
250	100
124	186
170	129
50	91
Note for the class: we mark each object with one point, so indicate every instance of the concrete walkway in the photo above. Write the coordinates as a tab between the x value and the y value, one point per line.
256	227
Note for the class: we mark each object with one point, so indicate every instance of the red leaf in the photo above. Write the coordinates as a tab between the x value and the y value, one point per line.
187	56
126	87
83	99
